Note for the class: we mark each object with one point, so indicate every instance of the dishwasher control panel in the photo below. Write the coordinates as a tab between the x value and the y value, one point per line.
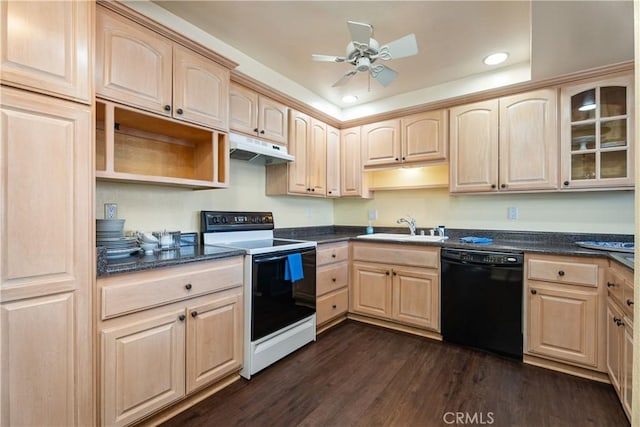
483	257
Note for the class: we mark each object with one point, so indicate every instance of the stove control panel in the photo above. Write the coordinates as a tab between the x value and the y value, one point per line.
221	221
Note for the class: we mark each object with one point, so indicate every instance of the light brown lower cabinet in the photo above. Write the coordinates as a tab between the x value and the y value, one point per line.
332	280
565	303
620	333
166	333
153	358
408	294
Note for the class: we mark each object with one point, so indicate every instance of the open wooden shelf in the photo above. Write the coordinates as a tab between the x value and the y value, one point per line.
134	146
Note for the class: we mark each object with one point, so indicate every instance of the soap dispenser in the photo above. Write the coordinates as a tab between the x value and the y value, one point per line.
369	228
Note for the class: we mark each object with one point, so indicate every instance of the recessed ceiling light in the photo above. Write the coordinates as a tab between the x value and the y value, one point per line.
349	99
496	58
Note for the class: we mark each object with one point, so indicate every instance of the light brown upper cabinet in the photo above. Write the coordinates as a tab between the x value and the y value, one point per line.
307	174
506	144
56	58
257	115
140	68
333	162
415	139
352	179
597	134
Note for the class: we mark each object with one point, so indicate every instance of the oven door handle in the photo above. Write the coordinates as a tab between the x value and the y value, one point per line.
279	257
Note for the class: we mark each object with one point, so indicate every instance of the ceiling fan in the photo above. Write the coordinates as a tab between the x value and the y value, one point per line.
363	51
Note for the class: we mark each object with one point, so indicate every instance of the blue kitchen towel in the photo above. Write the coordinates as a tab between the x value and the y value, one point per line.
478	240
293	268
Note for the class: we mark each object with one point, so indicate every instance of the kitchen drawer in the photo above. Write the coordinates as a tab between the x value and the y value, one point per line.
558	270
331	277
332	252
131	292
332	305
397	254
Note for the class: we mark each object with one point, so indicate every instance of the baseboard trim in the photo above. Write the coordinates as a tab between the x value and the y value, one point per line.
330	324
395	326
567	369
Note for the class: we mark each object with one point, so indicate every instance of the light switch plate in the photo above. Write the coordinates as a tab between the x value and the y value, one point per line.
512	213
373	214
110	211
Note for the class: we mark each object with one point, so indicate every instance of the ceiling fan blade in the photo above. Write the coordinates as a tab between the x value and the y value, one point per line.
403	47
345	78
360	33
328	58
383	74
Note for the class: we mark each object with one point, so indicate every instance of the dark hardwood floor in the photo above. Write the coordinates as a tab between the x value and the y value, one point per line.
361	375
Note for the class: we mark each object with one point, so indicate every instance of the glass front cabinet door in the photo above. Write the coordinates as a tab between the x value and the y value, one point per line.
597	134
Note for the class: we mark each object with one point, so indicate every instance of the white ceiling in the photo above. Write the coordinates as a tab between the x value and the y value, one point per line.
453	37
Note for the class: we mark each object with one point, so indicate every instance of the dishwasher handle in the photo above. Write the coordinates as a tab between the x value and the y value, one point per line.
475	257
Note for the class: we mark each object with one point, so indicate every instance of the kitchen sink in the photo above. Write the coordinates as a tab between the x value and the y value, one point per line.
402	237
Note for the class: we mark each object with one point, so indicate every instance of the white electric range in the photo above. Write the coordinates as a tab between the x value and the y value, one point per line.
279	314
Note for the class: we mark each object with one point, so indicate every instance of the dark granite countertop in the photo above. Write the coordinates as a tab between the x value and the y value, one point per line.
510	241
182	255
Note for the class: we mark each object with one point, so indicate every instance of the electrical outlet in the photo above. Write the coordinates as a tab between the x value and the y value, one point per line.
373	214
512	213
110	211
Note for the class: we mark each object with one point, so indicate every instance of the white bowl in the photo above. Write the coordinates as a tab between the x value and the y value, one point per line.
148	247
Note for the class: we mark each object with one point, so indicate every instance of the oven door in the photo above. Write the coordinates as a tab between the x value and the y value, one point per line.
276	302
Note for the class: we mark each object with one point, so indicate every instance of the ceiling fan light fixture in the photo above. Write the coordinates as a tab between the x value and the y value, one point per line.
496	58
349	99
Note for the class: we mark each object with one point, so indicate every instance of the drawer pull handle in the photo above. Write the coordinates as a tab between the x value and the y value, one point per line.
194	314
611	285
618	321
182	317
533	292
179	111
560	273
333	279
334	306
629	302
187	286
167	108
333	255
387	273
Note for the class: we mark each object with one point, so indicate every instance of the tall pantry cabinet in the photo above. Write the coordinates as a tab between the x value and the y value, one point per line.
46	211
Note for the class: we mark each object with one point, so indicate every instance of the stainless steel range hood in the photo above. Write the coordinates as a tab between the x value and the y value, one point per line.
257	151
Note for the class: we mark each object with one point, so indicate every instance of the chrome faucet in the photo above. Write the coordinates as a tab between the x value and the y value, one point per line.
411	223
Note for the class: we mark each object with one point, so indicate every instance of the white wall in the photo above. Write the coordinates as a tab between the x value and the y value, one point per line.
600	212
156	208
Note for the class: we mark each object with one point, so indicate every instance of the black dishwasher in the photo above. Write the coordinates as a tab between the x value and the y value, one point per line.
481	300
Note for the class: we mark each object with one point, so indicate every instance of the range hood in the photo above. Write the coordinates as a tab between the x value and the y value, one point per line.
257	151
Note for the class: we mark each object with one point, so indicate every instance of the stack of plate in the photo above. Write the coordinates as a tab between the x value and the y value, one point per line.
109	234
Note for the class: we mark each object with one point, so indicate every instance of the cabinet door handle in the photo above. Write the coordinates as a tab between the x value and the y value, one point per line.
262	132
387	273
188	286
397	159
566	183
403	158
503	185
333	255
255	129
333	279
194	314
182	317
167	108
394	273
493	186
313	189
179	111
629	302
533	292
611	285
334	306
560	273
329	192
